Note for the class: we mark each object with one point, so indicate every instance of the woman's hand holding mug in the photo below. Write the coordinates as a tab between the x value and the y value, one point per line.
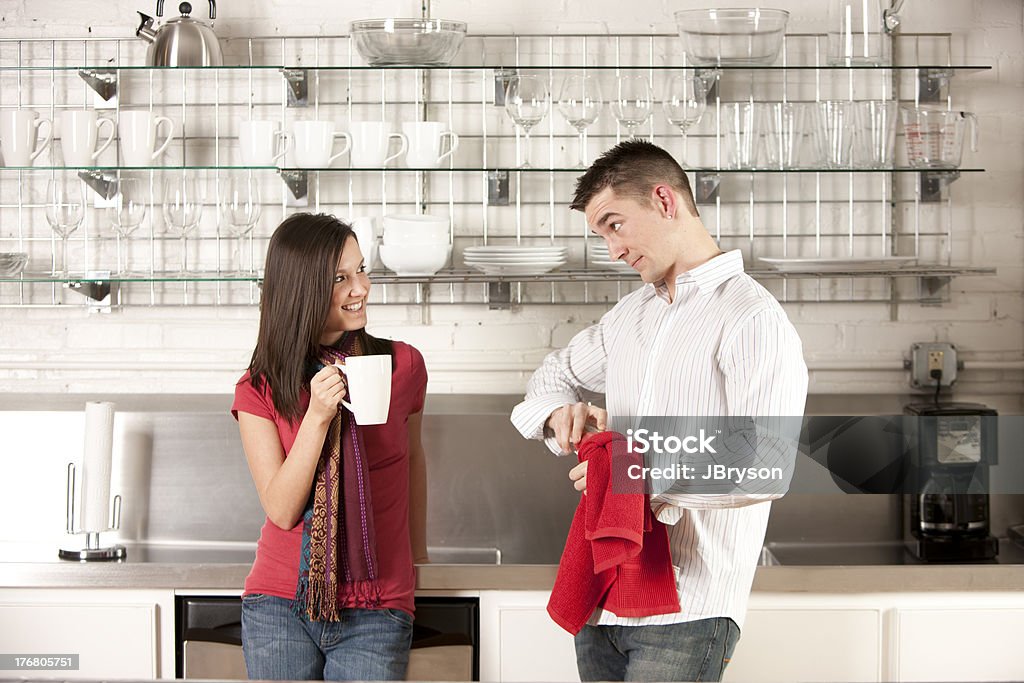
326	390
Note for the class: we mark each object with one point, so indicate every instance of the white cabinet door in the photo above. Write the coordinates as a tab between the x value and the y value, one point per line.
111	641
520	642
965	644
808	644
117	633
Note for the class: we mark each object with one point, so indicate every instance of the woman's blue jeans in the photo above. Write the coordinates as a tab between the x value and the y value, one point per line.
365	645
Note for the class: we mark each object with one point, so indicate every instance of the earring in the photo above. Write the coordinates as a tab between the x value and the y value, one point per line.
670	216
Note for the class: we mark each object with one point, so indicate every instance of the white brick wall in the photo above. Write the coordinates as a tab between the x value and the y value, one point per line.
470	348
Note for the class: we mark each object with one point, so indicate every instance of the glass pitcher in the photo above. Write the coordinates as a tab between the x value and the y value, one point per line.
935	137
859	31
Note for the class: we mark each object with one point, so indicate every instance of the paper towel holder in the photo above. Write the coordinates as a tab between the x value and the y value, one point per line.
92	550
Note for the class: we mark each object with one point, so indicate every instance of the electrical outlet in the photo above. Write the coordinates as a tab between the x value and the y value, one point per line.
929	357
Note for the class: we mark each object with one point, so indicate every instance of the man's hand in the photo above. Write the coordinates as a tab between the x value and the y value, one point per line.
569	422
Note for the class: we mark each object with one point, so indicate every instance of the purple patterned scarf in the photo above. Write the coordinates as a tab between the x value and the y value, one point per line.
339	547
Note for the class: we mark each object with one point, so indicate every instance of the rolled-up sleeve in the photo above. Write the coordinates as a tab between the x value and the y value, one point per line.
560	378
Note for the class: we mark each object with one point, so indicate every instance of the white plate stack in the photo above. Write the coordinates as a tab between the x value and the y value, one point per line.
597	255
515	260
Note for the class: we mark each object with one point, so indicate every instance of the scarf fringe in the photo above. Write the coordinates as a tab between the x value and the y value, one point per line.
319	601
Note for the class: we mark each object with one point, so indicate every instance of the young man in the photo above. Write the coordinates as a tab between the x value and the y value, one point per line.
700	338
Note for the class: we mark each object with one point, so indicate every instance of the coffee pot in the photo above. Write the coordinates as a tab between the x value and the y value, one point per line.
182	41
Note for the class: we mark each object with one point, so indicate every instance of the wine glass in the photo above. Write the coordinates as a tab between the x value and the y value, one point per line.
526	101
183	206
126	214
580	102
65	210
684	105
240	210
633	103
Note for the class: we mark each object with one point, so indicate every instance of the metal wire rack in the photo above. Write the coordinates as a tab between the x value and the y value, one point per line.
794	211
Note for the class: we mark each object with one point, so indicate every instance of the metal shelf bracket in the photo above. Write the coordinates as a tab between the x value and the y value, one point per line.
103	81
298	86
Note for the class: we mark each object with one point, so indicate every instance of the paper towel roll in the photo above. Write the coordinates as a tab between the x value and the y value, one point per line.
99	450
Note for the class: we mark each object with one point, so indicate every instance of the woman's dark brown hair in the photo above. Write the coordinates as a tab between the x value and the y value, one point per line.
298	283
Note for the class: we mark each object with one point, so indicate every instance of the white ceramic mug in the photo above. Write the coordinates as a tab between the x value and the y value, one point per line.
137	131
370	142
19	136
79	131
425	143
365	228
368	379
261	143
313	142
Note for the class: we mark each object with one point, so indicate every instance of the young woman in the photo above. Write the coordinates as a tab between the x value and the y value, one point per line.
330	595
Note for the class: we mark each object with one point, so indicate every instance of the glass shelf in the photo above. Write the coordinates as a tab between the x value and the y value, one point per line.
967	68
467	169
458	276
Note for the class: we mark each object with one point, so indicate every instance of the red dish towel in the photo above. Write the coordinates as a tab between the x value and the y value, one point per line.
617	553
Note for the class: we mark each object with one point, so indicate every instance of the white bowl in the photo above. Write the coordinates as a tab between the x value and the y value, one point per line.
417	259
410	229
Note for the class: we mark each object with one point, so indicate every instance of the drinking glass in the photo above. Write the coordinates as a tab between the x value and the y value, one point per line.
633	103
526	101
126	214
240	209
684	105
580	102
183	207
65	210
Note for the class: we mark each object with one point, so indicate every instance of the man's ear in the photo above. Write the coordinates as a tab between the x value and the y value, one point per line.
664	197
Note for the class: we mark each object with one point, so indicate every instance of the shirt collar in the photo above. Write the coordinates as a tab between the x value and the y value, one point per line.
710	274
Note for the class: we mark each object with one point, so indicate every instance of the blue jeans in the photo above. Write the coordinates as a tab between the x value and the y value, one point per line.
688	651
365	645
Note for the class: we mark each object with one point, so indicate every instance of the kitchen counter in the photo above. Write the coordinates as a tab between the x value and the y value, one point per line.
854	568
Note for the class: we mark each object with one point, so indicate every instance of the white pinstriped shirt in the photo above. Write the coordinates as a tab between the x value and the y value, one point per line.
722	347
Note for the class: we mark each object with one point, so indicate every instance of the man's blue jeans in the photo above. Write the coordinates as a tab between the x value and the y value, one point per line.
688	651
365	645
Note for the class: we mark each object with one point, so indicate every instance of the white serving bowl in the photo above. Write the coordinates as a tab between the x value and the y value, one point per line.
416	259
410	229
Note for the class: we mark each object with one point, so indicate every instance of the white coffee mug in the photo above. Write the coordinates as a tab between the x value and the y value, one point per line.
370	142
313	141
425	143
368	379
365	228
79	131
137	132
19	136
261	143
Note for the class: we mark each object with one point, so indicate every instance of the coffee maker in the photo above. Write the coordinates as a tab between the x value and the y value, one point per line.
946	501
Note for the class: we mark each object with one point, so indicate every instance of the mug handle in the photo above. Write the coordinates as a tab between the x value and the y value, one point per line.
110	138
170	135
46	140
285	143
405	146
453	145
344	371
348	143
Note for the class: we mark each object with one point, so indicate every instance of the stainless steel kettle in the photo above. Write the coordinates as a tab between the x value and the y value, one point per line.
182	41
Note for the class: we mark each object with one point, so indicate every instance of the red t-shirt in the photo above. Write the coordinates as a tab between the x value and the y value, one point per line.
276	569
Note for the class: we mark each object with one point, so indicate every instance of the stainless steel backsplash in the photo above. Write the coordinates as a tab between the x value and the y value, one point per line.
183	477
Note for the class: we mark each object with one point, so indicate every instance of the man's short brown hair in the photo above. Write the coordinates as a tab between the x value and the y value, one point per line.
632	169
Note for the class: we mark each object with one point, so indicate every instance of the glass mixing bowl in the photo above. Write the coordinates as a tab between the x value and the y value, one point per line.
732	37
408	42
